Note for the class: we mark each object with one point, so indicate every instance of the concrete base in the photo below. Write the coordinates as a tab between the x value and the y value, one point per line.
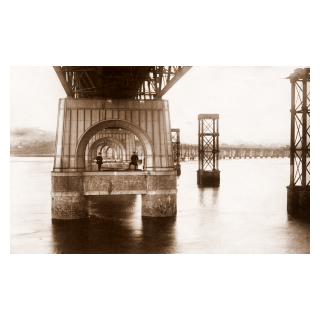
67	197
208	178
69	207
298	202
159	205
69	191
178	168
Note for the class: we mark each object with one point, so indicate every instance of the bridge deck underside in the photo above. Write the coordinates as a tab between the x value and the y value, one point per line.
119	82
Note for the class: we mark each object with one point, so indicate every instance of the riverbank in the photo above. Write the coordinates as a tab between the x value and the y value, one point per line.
30	156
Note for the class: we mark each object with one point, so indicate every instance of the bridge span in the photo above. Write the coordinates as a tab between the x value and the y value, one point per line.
110	109
118	110
190	152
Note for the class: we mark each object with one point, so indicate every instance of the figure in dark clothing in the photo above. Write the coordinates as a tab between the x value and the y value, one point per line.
99	161
134	160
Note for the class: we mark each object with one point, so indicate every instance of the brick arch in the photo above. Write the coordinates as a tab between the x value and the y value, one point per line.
142	135
106	141
117	152
112	147
89	154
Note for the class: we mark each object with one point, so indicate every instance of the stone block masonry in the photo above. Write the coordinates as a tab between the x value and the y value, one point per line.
84	127
70	191
159	205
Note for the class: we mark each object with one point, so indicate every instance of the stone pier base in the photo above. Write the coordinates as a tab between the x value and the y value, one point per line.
178	168
69	207
159	205
69	191
67	197
208	178
298	201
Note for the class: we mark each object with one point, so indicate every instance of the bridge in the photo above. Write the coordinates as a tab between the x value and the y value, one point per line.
118	110
109	109
191	152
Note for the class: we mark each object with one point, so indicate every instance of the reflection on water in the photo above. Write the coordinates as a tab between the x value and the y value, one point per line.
114	227
246	214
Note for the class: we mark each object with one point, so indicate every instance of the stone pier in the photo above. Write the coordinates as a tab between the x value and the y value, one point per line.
85	126
70	191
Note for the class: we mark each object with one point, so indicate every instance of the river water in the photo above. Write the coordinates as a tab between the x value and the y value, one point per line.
246	214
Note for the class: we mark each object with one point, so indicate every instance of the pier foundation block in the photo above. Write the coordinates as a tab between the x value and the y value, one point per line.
69	207
178	168
159	205
67	196
298	201
208	178
70	191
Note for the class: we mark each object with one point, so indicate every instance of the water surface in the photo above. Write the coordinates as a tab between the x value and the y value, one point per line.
246	214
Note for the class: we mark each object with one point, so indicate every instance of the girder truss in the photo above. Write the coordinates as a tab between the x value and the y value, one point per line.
132	82
208	147
159	80
300	127
175	138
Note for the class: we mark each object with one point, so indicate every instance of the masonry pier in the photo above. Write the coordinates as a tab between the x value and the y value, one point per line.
85	127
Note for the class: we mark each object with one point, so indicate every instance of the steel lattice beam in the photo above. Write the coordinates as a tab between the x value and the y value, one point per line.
175	138
300	128
208	143
147	82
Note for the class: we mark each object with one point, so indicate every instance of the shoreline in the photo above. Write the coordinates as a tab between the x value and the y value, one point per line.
31	156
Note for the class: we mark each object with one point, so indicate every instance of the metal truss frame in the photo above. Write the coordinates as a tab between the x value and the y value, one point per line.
159	80
208	142
300	128
175	138
149	82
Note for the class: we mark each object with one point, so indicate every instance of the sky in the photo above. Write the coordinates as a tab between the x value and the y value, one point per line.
253	103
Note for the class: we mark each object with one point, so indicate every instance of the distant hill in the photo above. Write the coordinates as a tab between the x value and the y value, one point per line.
31	141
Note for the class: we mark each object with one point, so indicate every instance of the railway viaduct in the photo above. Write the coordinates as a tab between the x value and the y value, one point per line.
118	110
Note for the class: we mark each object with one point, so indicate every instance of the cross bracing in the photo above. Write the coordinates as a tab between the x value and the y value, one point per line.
300	127
124	82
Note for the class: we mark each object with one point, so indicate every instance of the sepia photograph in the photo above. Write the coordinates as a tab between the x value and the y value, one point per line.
160	159
139	190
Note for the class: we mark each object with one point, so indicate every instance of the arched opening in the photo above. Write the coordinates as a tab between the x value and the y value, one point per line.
115	158
146	142
109	153
97	147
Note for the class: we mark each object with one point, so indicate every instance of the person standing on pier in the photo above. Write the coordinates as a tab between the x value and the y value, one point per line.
134	160
99	161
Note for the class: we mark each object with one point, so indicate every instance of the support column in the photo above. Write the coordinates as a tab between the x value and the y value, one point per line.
161	197
67	196
175	138
298	192
208	142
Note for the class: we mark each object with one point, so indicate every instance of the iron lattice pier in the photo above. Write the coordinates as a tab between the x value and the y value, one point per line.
175	138
208	149
300	128
299	188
